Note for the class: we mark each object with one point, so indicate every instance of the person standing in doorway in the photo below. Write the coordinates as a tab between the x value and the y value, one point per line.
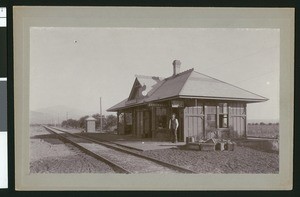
173	126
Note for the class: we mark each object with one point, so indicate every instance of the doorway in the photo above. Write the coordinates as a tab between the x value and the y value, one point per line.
146	120
179	115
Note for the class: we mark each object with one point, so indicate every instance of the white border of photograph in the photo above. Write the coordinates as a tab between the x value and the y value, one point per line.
4	161
26	17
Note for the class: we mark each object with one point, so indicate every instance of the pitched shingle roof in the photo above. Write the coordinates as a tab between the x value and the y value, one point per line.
188	84
204	86
151	83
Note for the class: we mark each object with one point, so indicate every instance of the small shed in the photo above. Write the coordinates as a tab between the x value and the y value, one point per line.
90	124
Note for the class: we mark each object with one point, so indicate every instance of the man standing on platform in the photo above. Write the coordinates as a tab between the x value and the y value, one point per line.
173	126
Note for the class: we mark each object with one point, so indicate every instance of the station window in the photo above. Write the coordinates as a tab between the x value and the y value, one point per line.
223	108
223	115
211	122
128	118
121	118
223	121
161	118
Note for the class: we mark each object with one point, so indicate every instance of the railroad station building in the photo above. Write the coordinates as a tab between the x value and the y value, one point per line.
204	106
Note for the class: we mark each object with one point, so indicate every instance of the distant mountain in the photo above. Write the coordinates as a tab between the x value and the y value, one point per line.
54	114
39	118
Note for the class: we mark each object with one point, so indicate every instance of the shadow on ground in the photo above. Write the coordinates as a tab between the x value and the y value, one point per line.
49	138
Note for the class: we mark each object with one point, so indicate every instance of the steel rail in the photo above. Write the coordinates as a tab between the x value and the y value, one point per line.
115	167
125	150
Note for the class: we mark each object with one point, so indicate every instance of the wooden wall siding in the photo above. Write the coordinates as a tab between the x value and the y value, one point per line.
237	120
237	109
223	109
238	127
139	125
128	118
133	122
210	109
146	123
189	102
194	111
153	121
193	122
121	123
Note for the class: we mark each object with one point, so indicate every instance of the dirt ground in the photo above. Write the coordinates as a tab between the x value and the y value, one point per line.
50	155
241	160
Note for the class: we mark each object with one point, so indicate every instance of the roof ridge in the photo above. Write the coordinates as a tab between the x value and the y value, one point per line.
181	73
167	78
148	76
230	84
163	82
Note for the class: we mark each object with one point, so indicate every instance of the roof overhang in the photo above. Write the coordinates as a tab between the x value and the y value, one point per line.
125	107
246	100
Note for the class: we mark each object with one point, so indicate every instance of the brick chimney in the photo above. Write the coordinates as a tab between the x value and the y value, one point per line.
176	67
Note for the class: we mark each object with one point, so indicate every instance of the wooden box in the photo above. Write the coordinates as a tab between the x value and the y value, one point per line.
220	146
207	146
229	146
190	140
193	146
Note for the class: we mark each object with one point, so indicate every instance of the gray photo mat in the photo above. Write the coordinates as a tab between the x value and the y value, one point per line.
26	17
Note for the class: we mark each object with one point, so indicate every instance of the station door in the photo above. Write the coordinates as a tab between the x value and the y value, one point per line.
193	122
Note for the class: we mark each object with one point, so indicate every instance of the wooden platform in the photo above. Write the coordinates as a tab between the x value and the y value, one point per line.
140	144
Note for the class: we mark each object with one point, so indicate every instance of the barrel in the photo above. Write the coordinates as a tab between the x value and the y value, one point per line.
190	139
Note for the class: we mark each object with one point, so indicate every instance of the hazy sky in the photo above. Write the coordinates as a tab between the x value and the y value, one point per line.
75	66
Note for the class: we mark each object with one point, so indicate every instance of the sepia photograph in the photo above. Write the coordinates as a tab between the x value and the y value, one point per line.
159	98
154	100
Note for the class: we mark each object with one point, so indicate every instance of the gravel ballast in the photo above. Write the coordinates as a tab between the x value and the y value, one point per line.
50	155
241	160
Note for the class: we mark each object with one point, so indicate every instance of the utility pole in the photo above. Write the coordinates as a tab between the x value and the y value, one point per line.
100	115
67	120
58	118
54	121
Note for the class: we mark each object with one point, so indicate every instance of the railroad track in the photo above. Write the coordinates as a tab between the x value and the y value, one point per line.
121	159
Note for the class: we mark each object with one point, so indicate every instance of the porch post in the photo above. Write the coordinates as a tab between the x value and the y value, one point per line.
132	122
118	119
124	122
218	117
204	120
